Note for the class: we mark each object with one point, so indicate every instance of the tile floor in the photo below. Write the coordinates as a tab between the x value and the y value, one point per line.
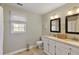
33	51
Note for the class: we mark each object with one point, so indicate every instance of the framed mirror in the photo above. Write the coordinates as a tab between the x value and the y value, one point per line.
55	25
72	24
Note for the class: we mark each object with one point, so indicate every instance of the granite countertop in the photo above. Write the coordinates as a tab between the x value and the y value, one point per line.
66	41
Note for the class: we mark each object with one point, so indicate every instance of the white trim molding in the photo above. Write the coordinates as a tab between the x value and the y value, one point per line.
14	52
17	51
1	30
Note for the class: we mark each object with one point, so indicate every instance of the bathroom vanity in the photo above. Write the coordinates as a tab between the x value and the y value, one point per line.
56	46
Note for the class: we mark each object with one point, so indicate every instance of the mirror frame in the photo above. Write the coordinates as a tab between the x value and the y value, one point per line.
58	24
66	24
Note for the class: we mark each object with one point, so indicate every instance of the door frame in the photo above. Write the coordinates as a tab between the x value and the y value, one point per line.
1	30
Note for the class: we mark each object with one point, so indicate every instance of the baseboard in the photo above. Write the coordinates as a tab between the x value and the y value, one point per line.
20	50
14	52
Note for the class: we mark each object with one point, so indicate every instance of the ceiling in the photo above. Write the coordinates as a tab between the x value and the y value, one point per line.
39	8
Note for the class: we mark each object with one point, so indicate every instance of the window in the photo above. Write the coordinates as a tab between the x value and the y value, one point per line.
18	27
18	22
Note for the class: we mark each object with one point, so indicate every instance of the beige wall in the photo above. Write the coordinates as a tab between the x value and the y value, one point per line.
62	12
17	41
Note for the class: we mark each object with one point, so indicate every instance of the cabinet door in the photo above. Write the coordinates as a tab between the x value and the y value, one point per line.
51	47
45	44
62	49
74	51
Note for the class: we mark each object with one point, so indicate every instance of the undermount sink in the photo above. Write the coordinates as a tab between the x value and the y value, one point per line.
68	39
61	36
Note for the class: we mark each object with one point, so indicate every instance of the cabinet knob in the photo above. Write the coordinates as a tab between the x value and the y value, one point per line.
55	53
68	53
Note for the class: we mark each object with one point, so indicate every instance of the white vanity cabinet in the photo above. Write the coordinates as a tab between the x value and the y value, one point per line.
54	47
62	49
49	46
